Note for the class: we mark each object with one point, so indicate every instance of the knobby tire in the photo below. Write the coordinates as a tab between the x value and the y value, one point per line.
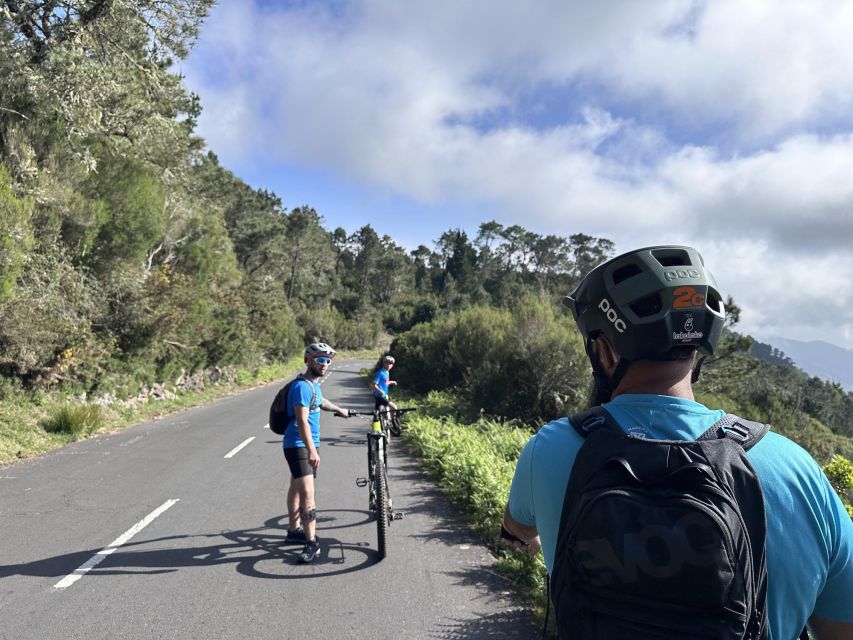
382	509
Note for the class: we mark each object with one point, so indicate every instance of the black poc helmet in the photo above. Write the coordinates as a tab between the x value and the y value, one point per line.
657	303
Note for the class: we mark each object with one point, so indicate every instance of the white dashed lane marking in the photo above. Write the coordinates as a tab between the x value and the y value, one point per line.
99	557
236	449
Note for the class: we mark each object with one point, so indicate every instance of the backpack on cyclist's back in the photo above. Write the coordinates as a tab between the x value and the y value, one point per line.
661	538
278	409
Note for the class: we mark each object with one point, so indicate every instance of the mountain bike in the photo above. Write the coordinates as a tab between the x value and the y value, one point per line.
379	494
391	420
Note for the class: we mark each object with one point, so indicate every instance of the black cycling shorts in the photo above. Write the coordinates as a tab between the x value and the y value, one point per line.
297	460
380	402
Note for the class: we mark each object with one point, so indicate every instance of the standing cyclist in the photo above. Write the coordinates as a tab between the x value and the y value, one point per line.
301	440
381	382
648	317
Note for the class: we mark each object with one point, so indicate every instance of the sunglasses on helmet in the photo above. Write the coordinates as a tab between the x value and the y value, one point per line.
323	360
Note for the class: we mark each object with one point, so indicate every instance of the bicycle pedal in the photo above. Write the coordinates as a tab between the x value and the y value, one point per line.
361	482
397	515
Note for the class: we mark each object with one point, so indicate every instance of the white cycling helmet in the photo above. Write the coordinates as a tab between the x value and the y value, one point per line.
319	349
389	359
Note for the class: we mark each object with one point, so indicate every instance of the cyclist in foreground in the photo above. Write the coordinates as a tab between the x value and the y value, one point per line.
301	441
648	317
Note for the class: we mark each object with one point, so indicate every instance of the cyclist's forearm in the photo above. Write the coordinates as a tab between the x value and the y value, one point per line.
524	531
330	406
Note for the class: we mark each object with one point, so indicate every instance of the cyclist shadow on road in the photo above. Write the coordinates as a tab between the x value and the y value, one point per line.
255	553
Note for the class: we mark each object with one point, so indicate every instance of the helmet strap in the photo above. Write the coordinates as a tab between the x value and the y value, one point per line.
604	385
621	370
697	369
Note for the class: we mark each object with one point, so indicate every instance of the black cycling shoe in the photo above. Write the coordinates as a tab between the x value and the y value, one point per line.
296	536
310	551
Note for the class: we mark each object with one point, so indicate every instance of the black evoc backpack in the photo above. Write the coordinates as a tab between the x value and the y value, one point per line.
661	539
278	409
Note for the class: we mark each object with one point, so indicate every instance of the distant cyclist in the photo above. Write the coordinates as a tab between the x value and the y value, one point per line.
301	440
381	382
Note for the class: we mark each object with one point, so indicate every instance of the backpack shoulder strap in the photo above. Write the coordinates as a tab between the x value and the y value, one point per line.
313	404
594	418
745	432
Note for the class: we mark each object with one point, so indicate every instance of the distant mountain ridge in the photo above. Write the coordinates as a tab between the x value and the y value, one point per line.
819	358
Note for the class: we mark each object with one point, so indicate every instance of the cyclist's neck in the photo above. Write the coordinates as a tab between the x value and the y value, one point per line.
658	378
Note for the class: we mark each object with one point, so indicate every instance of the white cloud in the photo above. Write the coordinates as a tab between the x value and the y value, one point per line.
428	100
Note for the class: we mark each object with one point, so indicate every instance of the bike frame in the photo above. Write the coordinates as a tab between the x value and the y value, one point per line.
379	495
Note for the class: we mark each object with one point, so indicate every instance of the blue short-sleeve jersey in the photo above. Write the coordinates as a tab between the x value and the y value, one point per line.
300	394
381	381
809	533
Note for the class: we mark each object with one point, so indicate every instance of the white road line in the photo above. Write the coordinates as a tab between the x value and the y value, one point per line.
99	557
236	449
267	425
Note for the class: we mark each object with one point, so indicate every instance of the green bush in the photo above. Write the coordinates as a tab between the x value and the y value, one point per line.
78	420
840	474
525	362
329	325
16	235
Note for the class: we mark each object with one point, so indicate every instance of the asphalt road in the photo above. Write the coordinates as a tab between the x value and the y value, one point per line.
173	529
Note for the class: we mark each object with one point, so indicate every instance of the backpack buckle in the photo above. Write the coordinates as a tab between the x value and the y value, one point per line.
737	430
592	421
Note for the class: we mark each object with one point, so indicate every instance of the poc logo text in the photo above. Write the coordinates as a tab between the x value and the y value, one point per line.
612	316
680	274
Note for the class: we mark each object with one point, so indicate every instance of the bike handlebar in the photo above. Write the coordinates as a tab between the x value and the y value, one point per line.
356	414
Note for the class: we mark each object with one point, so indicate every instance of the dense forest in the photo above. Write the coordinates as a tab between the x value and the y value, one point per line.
129	255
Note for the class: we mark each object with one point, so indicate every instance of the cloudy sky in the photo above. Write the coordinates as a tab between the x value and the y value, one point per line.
726	125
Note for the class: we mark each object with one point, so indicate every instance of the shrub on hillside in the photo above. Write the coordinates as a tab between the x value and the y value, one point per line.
330	325
840	474
526	362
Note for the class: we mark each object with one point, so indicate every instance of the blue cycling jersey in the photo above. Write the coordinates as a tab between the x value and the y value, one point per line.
809	533
381	381
300	394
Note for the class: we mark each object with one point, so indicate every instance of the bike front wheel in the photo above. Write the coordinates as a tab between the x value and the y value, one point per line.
383	509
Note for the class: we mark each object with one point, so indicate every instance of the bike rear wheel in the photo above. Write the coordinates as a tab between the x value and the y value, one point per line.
395	424
383	509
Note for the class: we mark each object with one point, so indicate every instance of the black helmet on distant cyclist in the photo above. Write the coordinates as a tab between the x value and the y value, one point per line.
656	303
319	349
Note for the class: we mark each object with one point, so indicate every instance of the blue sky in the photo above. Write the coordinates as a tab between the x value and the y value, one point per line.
724	125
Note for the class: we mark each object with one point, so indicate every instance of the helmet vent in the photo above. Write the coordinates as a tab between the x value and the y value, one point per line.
624	273
672	257
714	301
648	306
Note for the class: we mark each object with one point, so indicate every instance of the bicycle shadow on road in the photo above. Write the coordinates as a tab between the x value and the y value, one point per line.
255	553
